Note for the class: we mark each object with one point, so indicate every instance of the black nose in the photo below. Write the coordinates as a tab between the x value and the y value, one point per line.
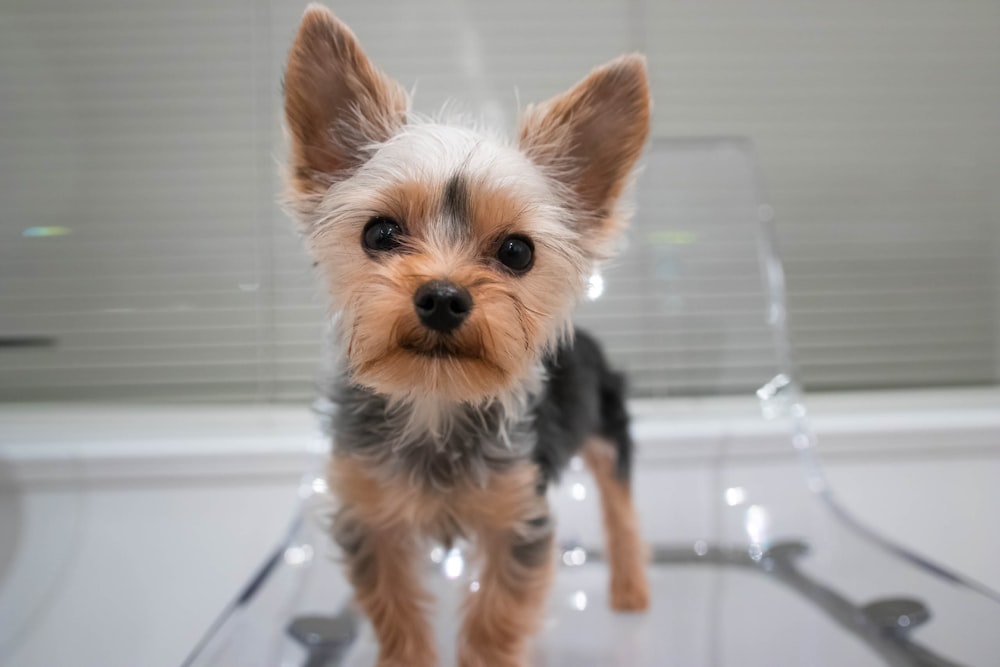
442	305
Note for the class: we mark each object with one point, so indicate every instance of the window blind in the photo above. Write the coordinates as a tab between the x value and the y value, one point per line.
135	191
142	256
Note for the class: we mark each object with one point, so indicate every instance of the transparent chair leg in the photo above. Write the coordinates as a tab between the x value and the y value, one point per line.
326	639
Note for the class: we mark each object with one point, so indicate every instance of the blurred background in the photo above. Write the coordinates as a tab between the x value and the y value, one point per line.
161	329
142	254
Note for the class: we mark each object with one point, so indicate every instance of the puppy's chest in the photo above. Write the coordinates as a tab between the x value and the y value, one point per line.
439	451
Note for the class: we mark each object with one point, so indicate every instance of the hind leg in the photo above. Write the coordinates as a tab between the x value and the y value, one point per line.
625	548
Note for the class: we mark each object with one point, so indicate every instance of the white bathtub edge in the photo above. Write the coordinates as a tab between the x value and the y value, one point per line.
54	442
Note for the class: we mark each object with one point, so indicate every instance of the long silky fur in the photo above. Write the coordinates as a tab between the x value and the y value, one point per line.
458	433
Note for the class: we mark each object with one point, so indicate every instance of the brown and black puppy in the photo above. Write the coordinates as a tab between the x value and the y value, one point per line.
454	259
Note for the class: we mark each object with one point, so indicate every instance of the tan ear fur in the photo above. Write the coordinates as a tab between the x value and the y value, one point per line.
590	137
337	103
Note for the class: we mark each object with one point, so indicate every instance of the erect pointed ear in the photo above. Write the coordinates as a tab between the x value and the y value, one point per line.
337	103
590	137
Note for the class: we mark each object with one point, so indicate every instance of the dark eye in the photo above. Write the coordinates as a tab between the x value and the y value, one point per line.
382	234
517	253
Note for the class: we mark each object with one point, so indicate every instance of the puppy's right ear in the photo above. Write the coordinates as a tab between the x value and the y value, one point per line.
337	105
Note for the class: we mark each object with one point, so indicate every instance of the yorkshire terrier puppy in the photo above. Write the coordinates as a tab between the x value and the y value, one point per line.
454	259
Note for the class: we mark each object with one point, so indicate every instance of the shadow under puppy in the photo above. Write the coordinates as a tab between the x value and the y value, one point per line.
454	259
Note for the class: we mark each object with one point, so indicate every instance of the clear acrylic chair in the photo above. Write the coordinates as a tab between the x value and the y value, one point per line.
769	570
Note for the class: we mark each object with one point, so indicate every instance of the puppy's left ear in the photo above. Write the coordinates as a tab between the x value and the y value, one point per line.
590	137
337	105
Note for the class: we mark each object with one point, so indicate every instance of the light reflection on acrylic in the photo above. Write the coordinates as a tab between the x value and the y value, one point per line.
595	286
454	564
574	556
298	555
735	495
756	524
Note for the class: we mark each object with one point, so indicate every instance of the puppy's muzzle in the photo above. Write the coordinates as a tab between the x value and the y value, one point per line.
442	305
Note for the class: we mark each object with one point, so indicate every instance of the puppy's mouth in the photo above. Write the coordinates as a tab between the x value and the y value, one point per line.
438	349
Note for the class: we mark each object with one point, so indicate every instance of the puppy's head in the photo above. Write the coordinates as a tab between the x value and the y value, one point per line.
454	258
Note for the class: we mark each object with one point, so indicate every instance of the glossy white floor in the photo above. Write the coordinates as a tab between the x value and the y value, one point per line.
177	508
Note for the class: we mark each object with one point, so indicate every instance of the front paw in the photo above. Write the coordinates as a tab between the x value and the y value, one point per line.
411	660
630	593
478	658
